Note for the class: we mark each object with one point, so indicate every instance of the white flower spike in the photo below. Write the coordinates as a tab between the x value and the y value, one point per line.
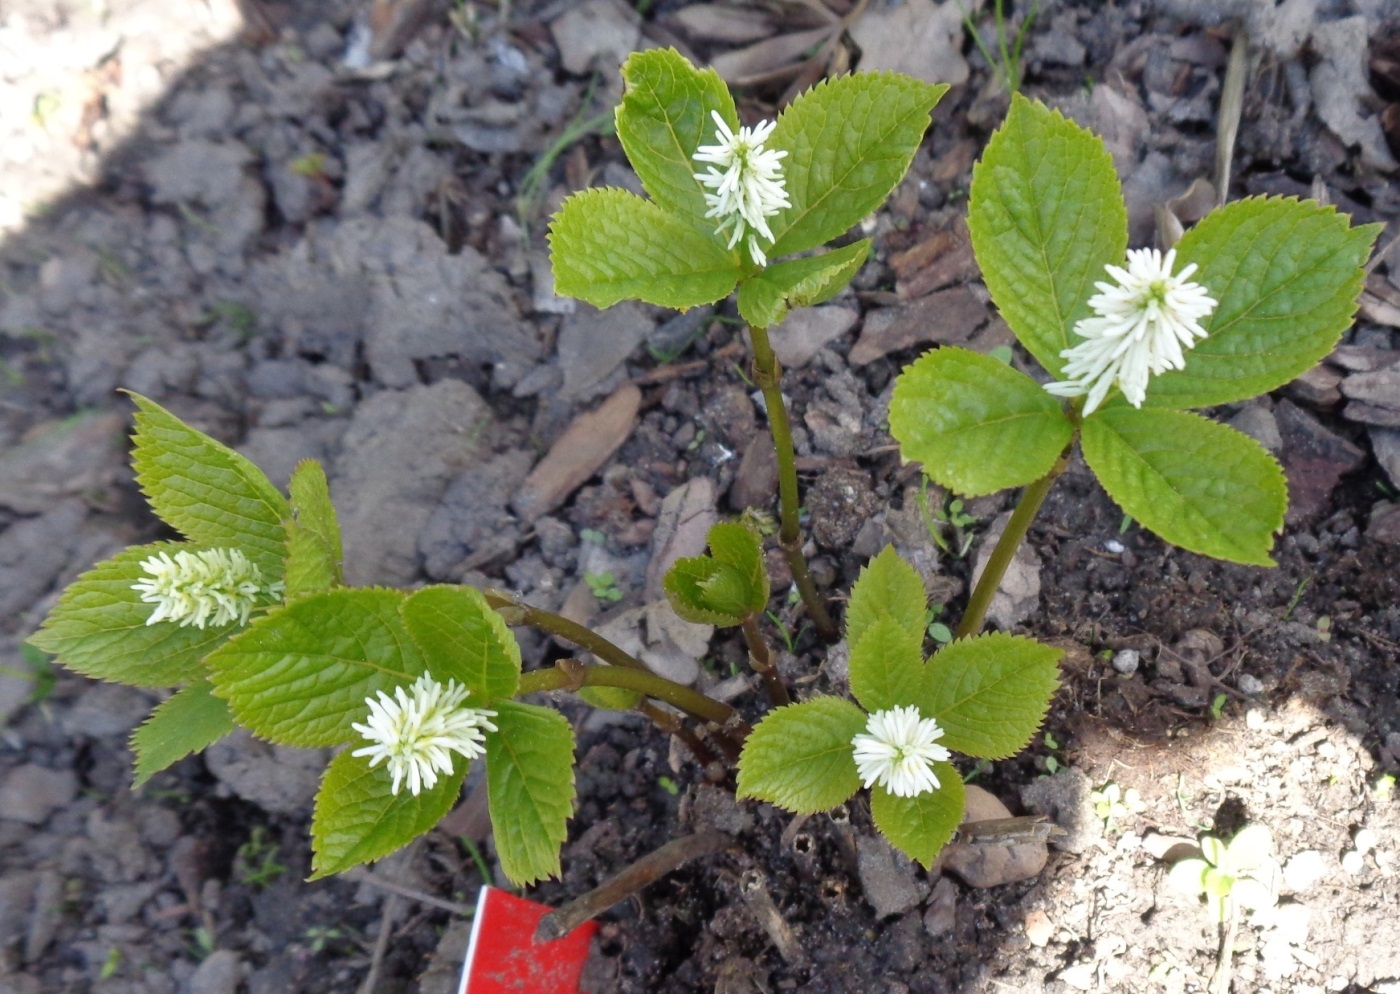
208	587
418	731
1142	327
896	751
748	187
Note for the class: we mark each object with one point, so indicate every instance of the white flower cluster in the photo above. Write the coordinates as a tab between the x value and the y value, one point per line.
417	731
748	187
1142	327
896	751
208	587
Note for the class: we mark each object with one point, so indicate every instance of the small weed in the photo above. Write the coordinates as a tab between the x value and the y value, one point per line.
947	526
257	860
592	536
1112	804
532	185
1217	706
936	629
603	586
1298	591
785	632
311	166
201	943
1125	524
319	937
668	785
111	965
1007	62
1384	789
483	868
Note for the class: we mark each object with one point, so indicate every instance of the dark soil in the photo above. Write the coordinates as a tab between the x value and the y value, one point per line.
305	259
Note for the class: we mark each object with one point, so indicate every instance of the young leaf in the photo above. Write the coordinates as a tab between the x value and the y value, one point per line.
990	693
1196	483
764	298
210	493
976	424
530	788
300	675
887	586
99	627
188	722
800	757
462	638
663	118
357	818
735	545
920	826
313	533
1046	215
609	245
1286	275
849	141
687	584
887	665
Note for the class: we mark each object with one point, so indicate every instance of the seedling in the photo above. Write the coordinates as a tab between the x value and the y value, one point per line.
256	859
1112	804
603	586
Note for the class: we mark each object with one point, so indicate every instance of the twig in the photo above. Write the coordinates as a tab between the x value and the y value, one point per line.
360	875
650	868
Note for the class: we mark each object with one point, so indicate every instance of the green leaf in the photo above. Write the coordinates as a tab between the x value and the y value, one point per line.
185	723
1286	275
313	533
461	637
1046	215
300	675
99	627
887	665
764	299
920	826
530	788
610	245
976	424
685	584
990	693
663	118
1189	876
1195	483
205	490
736	546
357	818
849	142
800	757
887	586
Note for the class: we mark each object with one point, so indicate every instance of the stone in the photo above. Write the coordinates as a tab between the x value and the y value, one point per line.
920	38
34	551
472	524
219	973
1314	460
212	178
807	330
595	34
890	880
1064	797
1384	526
942	912
105	710
948	317
1304	870
583	449
401	450
1375	397
984	866
1385	443
839	502
593	344
682	526
30	793
1039	928
1258	422
1125	661
279	779
756	479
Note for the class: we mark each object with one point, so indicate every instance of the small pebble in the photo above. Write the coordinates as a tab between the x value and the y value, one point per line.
1126	661
1039	928
1250	685
1114	546
1364	840
1304	870
1352	862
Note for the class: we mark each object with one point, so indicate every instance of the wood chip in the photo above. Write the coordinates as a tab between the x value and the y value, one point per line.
950	317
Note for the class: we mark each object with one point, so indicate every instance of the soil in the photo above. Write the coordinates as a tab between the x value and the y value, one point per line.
306	255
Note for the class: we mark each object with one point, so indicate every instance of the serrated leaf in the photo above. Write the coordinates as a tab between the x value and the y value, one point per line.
800	757
735	545
313	533
727	592
990	693
461	638
209	493
886	586
976	424
887	665
300	675
849	142
609	245
99	627
921	826
663	118
1046	215
185	723
358	818
530	788
1286	275
1193	482
684	585
764	298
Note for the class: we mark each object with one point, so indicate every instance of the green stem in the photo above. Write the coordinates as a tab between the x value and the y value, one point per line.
762	662
572	676
517	612
1010	540
767	375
